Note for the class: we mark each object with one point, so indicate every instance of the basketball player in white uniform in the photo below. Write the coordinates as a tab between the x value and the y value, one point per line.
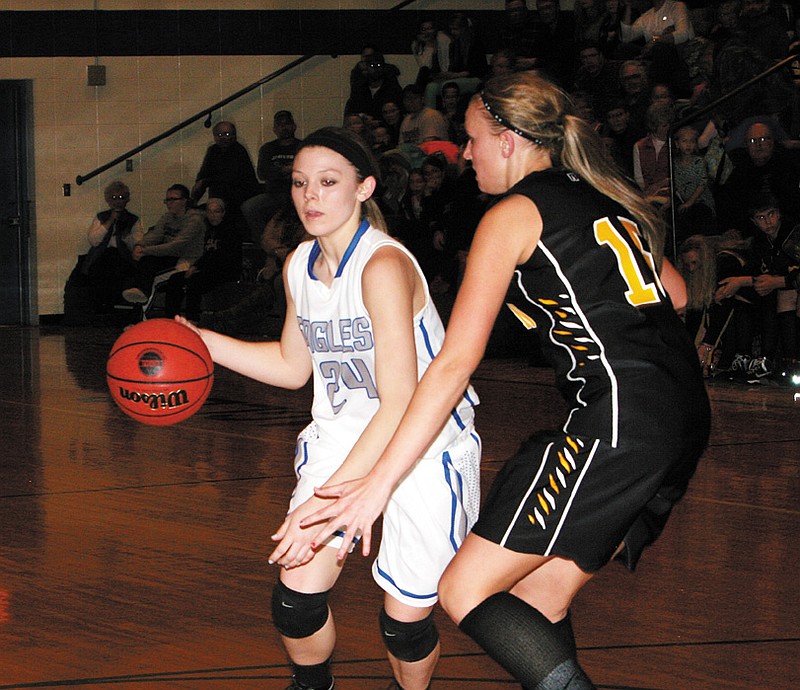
361	322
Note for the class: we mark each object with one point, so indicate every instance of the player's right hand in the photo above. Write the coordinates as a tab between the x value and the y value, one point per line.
357	506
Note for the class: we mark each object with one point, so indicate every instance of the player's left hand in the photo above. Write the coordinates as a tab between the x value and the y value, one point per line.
295	546
185	322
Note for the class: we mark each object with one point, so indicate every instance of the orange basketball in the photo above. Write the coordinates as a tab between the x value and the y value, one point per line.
159	372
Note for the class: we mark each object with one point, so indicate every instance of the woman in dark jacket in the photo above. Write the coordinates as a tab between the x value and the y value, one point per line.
112	236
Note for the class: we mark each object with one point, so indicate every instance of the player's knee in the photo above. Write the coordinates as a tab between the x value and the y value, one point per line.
409	641
444	589
298	614
452	597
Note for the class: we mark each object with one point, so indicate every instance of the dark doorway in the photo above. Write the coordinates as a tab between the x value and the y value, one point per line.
15	240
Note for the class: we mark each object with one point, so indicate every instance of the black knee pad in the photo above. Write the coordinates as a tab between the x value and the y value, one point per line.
409	641
297	614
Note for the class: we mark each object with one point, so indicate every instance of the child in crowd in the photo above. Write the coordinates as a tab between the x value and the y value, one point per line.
695	204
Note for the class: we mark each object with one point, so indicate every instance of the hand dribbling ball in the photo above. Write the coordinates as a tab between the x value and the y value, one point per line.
159	372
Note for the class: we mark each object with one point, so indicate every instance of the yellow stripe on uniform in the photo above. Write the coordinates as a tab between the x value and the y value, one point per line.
526	320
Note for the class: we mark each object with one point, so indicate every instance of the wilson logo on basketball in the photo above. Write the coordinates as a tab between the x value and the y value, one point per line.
156	401
151	362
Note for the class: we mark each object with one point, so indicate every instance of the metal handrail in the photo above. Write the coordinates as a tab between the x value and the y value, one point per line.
80	179
695	115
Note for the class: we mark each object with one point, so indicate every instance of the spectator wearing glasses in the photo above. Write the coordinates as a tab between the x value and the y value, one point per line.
174	243
762	166
373	82
358	75
227	171
113	235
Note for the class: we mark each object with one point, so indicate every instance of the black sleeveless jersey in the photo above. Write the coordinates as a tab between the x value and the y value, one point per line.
622	357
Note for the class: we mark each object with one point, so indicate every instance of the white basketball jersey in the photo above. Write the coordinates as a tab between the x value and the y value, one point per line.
338	331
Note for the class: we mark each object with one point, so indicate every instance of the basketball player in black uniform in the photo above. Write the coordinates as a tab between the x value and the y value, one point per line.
581	250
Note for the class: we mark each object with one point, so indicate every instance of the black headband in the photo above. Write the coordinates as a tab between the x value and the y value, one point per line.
330	138
507	124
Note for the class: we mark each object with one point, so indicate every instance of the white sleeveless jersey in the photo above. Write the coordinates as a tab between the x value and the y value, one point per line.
338	332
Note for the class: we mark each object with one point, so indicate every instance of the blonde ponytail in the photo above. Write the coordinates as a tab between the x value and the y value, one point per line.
545	114
583	152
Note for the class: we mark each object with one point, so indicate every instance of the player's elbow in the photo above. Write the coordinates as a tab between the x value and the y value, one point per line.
297	377
294	381
456	368
294	385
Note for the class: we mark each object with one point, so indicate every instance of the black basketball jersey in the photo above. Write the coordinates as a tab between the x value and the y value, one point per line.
622	357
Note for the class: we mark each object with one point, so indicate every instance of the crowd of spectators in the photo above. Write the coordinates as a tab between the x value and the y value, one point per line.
633	67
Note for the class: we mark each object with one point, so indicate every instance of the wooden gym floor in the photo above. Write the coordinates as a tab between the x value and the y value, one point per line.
135	557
